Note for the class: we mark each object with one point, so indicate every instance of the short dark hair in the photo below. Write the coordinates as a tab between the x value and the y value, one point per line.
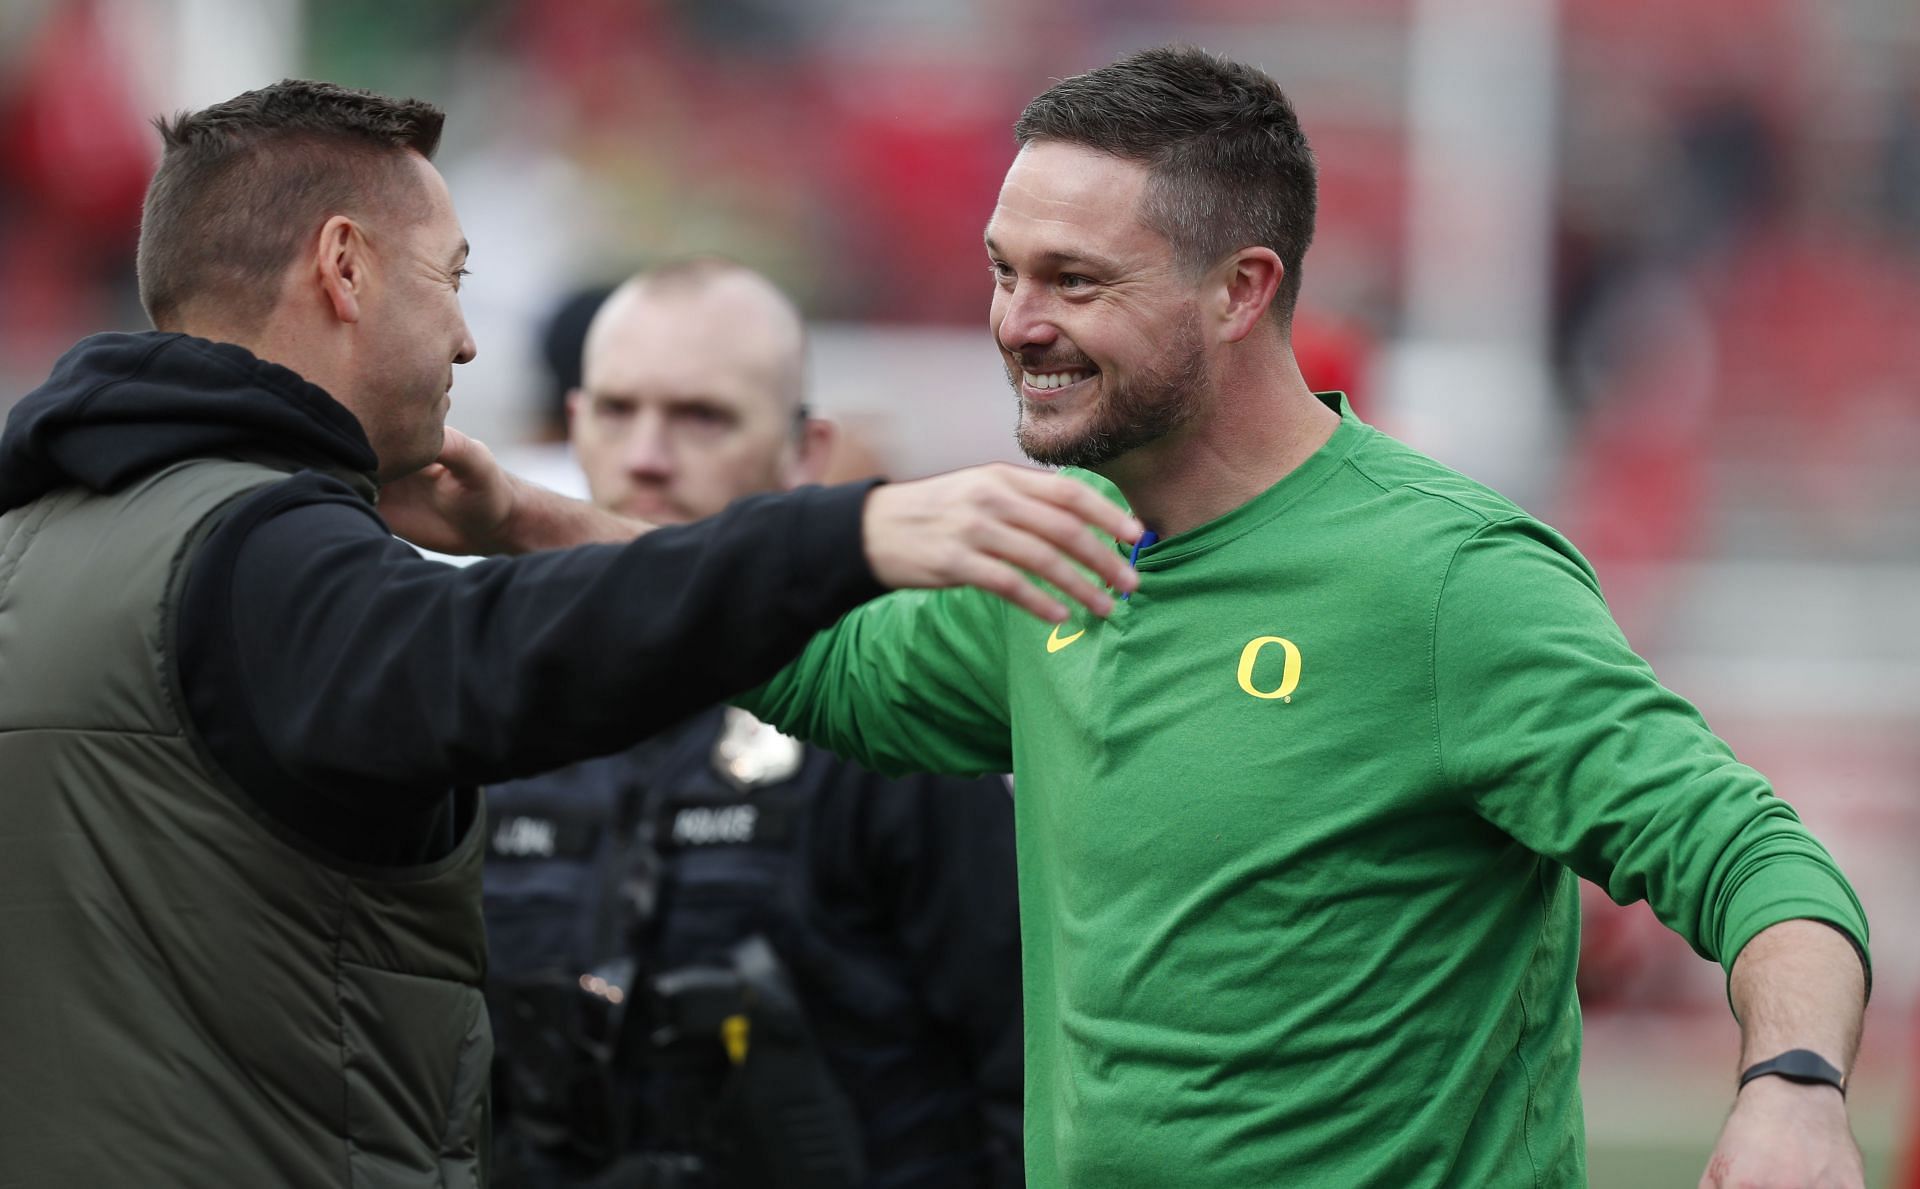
1228	165
243	184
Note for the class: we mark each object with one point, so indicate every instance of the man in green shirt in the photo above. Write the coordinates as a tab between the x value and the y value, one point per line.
1299	825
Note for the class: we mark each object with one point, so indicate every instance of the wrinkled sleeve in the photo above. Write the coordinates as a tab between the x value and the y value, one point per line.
915	681
1562	737
323	658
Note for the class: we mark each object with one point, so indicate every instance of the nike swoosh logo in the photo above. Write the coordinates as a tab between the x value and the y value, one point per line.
1055	643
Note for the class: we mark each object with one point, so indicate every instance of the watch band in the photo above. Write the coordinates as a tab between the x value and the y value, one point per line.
1798	1065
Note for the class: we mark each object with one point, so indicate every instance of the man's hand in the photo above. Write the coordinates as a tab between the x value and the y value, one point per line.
464	504
456	504
1789	1135
991	527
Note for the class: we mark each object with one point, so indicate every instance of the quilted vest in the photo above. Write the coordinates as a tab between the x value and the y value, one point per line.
190	995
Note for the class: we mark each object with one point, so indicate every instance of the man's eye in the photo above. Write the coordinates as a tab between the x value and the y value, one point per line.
1002	271
460	274
1073	280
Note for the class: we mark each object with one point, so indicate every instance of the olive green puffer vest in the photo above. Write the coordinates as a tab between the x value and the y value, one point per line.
189	996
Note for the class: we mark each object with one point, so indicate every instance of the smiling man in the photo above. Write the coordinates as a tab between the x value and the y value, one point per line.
1300	824
241	725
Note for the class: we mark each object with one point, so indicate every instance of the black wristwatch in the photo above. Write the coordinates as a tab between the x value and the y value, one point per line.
1798	1065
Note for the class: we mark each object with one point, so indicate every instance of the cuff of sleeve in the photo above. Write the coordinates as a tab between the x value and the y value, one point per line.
1795	890
828	539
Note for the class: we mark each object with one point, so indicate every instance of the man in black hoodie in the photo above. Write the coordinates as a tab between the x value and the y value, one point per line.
240	724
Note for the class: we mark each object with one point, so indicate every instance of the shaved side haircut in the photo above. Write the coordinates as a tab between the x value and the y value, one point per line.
244	184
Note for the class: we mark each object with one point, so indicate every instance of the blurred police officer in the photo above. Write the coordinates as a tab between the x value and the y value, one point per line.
723	958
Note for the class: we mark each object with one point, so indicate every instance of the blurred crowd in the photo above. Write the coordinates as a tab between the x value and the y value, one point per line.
1735	271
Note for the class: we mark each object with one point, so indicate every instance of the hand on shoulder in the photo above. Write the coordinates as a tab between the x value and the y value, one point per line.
995	527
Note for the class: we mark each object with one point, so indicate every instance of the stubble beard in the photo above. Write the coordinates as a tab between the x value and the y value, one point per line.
1130	415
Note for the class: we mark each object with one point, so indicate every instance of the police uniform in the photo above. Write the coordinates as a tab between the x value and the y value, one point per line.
649	912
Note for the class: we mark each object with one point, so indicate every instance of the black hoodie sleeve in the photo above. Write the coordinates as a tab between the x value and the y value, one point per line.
330	670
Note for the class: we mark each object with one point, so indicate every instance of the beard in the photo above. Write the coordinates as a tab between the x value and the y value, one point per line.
1128	416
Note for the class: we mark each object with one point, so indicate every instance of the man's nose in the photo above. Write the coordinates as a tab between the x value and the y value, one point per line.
649	452
1025	320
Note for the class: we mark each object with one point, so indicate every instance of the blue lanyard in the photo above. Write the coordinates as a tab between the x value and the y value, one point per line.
1147	538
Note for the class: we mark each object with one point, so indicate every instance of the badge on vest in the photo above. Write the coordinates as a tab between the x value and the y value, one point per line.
751	754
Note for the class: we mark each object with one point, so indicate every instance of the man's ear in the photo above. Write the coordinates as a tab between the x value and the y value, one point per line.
812	452
1248	281
341	266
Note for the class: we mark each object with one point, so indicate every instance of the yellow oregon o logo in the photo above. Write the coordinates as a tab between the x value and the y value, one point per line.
1289	676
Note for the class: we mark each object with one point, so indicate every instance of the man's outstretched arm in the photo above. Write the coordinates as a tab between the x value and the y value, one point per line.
988	526
1796	985
1537	689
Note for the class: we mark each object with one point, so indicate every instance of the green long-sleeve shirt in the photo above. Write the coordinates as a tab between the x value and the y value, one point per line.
1299	825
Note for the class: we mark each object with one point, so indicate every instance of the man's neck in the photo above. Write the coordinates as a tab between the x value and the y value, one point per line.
1248	437
272	342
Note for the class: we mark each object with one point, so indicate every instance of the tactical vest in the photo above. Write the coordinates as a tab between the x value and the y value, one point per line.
646	869
189	995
